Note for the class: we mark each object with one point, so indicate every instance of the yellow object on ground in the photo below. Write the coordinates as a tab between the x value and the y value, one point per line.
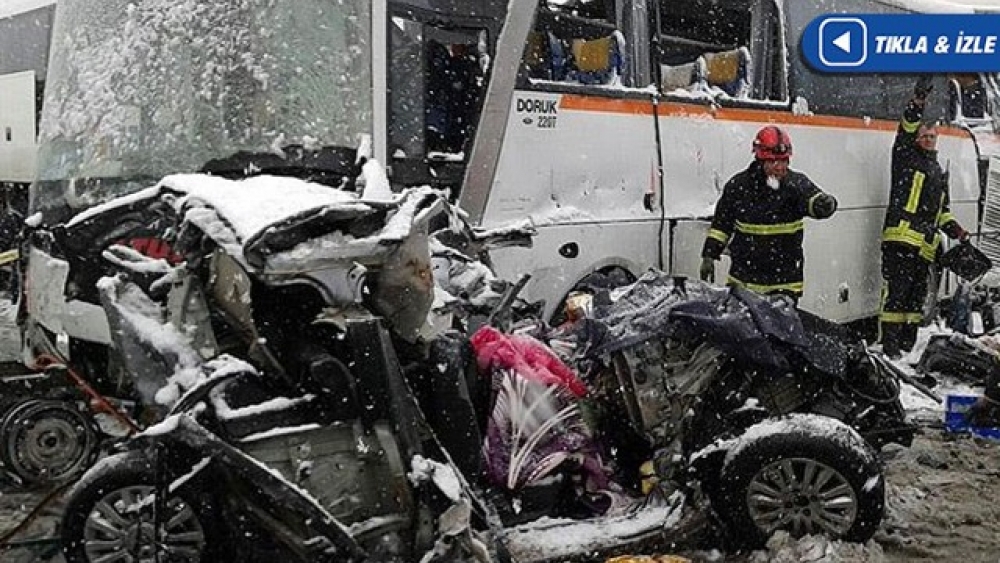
648	477
9	256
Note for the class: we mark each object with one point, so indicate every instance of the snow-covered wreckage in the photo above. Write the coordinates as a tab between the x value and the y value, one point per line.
286	343
313	406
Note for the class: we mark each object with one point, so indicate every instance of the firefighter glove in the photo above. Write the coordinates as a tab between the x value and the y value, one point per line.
823	206
707	271
923	87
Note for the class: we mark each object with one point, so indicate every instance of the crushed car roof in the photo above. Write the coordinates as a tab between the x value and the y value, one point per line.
273	221
249	205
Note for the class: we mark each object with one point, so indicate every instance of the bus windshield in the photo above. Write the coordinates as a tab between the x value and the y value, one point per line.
140	90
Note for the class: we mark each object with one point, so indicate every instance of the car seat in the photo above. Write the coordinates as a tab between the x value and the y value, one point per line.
728	71
597	61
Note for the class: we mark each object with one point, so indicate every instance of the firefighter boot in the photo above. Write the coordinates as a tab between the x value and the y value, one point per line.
890	340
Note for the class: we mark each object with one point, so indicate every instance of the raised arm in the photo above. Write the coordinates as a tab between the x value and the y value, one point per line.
906	133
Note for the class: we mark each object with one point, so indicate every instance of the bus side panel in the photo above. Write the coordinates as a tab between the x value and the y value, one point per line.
698	158
578	167
17	127
842	264
842	276
701	153
571	159
958	155
628	245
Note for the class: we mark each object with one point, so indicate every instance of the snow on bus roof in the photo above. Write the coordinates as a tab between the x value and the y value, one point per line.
945	6
14	7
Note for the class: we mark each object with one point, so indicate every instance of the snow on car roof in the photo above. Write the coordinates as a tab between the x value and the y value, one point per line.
238	213
248	206
253	204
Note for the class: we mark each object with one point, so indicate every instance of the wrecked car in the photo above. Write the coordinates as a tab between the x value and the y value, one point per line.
311	416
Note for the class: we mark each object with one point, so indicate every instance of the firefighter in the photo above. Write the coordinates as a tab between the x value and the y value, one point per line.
918	209
760	218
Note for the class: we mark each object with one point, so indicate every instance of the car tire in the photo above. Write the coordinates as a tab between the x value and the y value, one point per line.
108	511
805	474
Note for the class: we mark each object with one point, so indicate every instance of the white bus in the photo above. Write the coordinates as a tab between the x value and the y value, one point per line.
25	31
561	114
580	170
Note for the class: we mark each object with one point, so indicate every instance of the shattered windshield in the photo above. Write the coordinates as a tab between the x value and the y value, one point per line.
181	83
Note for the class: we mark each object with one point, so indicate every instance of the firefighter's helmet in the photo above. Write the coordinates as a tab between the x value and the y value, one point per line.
772	143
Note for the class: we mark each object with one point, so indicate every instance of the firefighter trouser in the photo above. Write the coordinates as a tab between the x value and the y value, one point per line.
906	275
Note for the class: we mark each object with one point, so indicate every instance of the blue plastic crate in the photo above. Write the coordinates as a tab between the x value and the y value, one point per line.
955	407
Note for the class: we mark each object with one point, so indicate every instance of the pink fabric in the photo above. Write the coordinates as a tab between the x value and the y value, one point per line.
527	356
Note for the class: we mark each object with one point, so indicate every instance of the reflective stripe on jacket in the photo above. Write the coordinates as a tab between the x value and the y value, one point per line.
918	198
763	229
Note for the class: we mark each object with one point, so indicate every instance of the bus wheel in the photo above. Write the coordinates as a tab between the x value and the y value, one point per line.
605	278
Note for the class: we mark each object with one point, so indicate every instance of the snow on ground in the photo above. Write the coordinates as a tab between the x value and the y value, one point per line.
942	497
942	505
942	501
921	408
942	493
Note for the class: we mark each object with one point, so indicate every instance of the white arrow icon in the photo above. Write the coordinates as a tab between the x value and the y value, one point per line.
845	54
844	42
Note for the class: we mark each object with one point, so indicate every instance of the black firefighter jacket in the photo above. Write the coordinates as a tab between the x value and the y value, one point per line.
763	228
918	199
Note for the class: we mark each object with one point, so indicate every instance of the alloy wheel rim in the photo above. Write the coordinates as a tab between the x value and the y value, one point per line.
802	496
119	529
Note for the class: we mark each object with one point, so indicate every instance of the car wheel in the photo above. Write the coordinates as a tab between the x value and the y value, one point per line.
110	516
46	442
804	474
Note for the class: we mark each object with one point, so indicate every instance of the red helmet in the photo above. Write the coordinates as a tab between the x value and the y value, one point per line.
772	143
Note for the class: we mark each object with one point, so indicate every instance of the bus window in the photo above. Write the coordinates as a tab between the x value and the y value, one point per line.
436	81
877	96
968	97
575	41
734	50
991	88
454	81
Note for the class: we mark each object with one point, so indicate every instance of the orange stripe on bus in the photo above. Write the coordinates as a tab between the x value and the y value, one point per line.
676	109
